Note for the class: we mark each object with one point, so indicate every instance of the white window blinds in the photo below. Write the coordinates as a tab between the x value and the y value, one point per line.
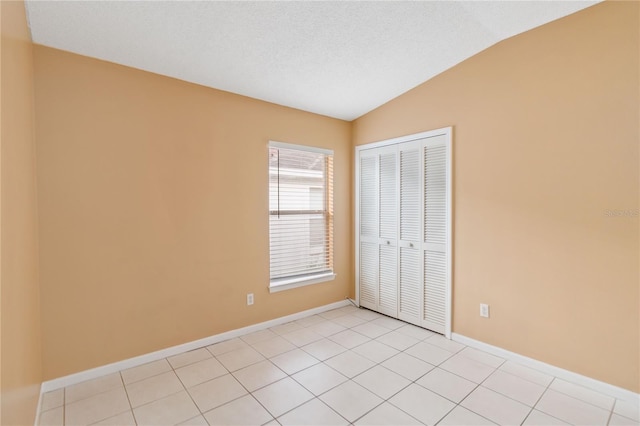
300	212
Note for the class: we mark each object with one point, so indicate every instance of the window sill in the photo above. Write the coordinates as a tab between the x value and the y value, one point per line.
289	283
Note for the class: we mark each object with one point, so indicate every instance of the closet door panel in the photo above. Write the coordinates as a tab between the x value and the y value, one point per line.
435	234
435	195
368	273
410	197
410	274
368	230
368	197
410	285
388	205
388	288
388	226
434	291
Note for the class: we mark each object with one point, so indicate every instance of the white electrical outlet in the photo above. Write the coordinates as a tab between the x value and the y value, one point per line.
484	310
250	299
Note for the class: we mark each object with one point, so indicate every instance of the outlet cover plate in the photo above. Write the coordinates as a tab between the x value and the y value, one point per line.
484	310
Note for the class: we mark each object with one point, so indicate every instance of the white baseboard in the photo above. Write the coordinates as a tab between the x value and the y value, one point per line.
549	369
72	379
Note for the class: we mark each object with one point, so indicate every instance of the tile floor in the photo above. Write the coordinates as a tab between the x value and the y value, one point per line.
345	366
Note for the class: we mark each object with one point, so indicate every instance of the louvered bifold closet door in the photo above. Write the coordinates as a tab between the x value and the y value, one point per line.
435	234
388	227
410	271
368	224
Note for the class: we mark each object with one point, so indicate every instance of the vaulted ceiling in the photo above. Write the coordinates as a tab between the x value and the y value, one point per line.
337	58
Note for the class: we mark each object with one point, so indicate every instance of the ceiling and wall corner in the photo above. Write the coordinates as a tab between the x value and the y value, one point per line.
339	59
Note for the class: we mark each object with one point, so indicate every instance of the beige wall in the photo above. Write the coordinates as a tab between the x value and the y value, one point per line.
153	210
21	365
545	141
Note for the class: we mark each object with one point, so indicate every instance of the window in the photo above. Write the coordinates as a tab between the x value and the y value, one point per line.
300	215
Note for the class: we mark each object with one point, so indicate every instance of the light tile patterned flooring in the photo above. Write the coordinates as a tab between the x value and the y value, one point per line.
345	366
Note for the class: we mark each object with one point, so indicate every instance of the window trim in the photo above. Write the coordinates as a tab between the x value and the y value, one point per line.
287	283
280	284
283	145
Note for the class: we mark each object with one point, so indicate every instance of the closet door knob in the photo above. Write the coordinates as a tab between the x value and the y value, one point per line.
388	242
410	244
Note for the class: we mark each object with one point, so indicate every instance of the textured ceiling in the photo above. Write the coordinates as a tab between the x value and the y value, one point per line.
340	59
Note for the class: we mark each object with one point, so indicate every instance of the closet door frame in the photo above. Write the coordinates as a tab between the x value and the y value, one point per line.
448	133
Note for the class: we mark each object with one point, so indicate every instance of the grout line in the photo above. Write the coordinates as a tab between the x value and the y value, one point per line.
507	396
330	389
582	400
248	393
467	395
635	422
528	368
144	378
128	399
449	412
126	392
330	408
185	387
263	386
537	401
92	395
613	411
113	415
495	369
314	395
540	398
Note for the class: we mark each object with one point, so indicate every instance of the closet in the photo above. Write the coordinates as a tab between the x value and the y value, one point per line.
403	228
